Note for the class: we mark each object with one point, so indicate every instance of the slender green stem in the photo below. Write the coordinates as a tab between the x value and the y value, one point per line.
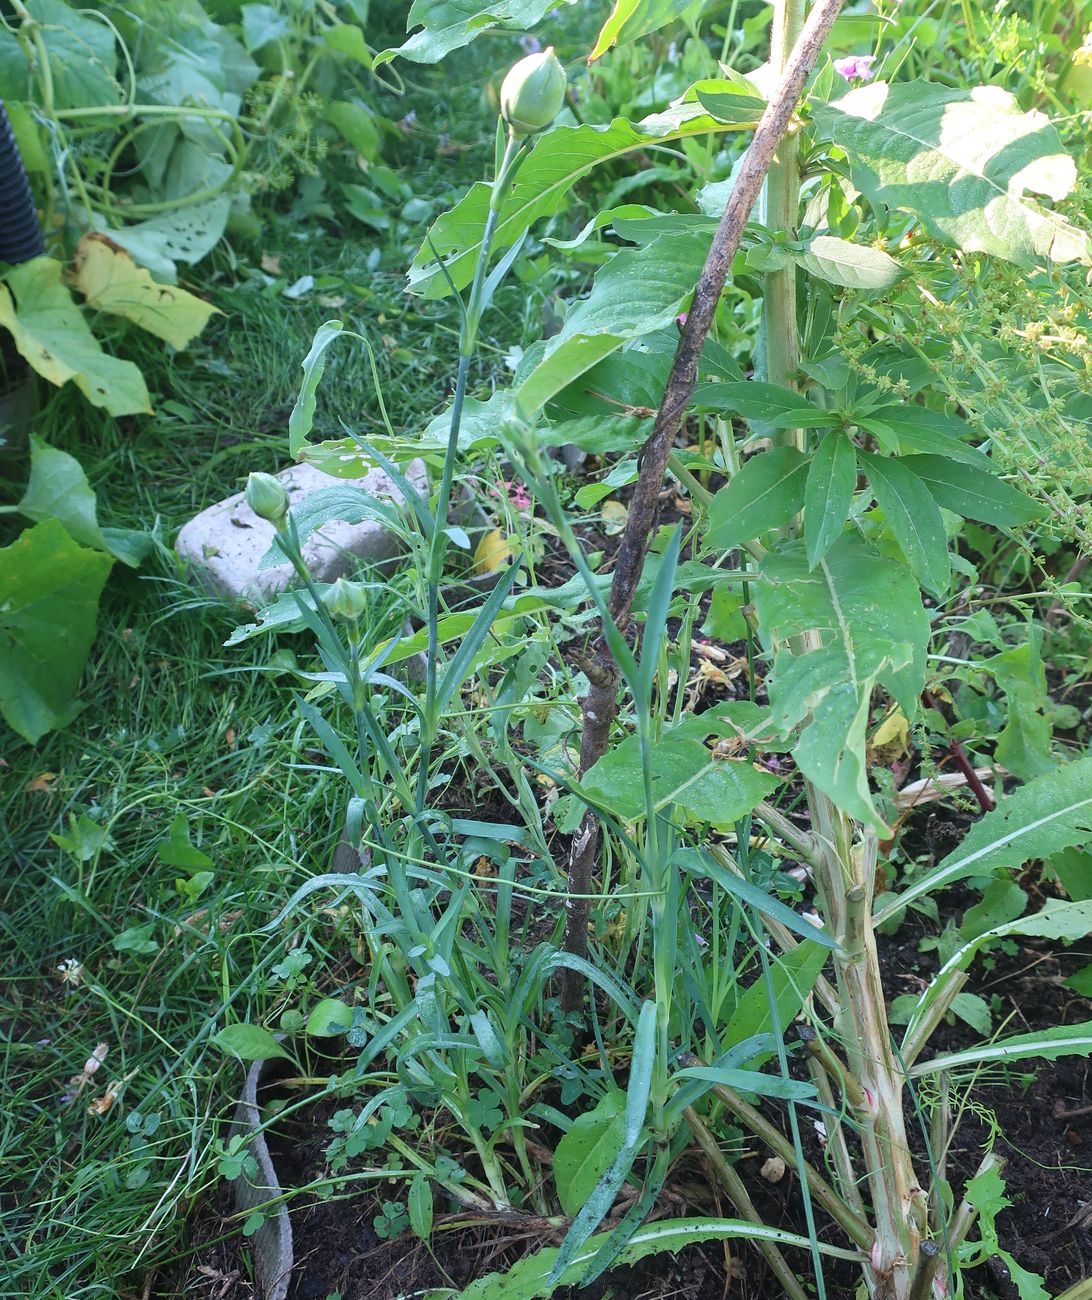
468	337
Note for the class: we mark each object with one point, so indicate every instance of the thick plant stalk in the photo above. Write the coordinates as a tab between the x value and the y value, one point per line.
600	705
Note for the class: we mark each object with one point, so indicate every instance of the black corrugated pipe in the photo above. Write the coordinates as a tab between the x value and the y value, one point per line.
20	230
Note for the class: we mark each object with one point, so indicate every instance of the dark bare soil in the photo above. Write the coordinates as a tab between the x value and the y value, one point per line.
1043	1123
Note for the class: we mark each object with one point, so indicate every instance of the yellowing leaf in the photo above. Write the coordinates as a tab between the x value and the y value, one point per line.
112	282
492	552
890	740
52	336
614	515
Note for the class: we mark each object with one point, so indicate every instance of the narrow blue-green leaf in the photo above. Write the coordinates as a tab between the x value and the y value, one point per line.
1048	1044
913	517
828	494
703	865
640	1073
314	363
457	670
765	1085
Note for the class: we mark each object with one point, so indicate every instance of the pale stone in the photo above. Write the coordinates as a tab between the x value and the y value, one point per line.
225	543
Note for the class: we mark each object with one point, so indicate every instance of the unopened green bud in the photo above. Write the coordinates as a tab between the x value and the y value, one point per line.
266	496
532	93
345	599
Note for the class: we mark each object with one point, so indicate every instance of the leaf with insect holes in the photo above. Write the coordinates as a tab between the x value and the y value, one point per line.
51	334
867	611
588	1149
966	160
913	517
766	493
828	494
112	282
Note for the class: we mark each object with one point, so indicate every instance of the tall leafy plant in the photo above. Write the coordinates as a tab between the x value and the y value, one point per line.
846	476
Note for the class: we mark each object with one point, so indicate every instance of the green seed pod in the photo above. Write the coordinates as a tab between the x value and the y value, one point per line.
532	93
346	600
266	496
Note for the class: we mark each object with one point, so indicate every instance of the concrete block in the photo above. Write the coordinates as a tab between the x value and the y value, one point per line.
225	543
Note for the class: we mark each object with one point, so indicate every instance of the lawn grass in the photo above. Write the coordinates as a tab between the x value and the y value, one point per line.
108	944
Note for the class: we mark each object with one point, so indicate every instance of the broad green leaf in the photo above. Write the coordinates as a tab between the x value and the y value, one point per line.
348	39
52	336
176	849
913	517
687	773
639	291
356	124
770	404
58	489
1049	814
793	975
964	160
631	19
112	282
920	430
1073	867
82	53
560	158
867	612
766	493
741	105
974	493
448	25
1047	1044
248	1042
853	266
49	600
588	1149
262	24
828	494
85	837
1023	746
329	1018
529	1279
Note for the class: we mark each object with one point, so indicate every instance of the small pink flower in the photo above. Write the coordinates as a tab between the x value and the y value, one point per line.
680	319
857	67
514	493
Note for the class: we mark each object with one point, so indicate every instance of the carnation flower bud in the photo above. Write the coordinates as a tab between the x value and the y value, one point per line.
532	93
266	496
347	600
